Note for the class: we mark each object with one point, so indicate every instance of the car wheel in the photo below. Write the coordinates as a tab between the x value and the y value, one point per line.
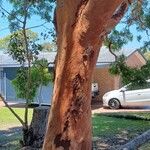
114	103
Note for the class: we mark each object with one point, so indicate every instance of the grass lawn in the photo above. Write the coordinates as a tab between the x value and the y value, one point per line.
7	119
109	129
106	126
112	131
10	128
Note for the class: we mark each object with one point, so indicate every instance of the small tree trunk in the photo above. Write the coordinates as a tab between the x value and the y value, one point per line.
81	25
34	135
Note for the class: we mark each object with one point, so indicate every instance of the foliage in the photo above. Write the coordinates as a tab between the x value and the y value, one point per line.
137	19
23	47
118	38
43	74
136	76
33	7
18	50
49	46
39	75
147	55
4	42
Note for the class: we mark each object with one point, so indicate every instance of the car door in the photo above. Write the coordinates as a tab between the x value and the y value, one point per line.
137	96
132	96
145	97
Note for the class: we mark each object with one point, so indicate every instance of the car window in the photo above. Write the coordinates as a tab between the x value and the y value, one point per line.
138	87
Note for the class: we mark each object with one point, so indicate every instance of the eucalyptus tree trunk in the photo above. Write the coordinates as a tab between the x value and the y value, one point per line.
81	26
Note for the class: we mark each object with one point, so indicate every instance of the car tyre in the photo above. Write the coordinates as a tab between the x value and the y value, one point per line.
114	103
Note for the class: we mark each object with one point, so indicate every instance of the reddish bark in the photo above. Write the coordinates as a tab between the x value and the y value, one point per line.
81	25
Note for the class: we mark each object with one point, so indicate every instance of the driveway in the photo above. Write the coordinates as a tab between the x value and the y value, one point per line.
1	104
13	104
126	109
97	108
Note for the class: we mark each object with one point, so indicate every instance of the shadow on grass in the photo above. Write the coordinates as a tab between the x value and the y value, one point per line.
9	139
111	132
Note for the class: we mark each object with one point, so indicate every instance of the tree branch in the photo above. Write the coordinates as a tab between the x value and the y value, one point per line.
25	9
13	112
10	14
115	19
110	50
37	26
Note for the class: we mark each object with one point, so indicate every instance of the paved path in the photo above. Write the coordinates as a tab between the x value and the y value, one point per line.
1	104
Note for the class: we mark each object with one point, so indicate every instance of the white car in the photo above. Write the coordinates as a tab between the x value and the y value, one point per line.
128	96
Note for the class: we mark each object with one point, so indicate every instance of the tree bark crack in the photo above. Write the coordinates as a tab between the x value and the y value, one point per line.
80	10
120	12
59	142
114	20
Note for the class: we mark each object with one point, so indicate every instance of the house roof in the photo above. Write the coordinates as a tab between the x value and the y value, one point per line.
105	58
7	61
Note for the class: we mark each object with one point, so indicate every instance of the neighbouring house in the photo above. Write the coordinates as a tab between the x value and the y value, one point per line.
106	82
8	70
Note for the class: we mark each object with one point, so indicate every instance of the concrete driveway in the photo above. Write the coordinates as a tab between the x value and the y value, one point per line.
125	109
97	108
1	104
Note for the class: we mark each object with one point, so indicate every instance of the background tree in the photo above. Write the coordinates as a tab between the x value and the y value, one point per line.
23	47
39	76
136	77
49	47
147	55
4	42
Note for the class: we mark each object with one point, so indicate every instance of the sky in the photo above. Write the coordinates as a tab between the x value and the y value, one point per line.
35	20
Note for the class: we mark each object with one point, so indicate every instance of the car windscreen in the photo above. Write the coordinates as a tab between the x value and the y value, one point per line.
137	87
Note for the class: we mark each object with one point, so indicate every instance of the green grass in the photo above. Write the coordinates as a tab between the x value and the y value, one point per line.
7	119
130	115
9	132
145	147
105	126
117	129
10	141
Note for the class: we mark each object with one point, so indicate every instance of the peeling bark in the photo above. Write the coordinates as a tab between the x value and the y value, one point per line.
79	26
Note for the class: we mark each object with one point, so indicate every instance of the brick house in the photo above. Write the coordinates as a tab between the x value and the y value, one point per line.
105	80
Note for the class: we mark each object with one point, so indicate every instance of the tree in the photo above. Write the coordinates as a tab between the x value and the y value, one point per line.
136	77
50	47
4	42
147	55
23	47
81	28
39	76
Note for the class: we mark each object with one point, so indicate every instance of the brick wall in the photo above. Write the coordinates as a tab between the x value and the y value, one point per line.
105	80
